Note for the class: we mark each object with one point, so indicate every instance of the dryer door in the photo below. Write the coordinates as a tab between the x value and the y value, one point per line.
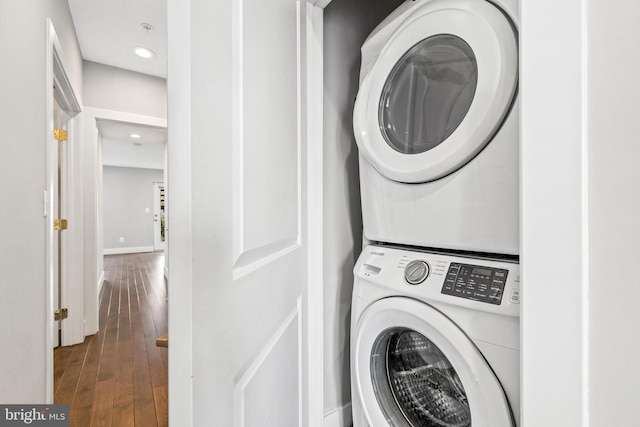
438	91
415	367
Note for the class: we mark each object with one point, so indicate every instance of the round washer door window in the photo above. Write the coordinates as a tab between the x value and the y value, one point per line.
415	383
413	367
428	94
437	91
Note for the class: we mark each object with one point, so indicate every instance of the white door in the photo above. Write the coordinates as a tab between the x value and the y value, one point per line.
239	343
59	168
158	217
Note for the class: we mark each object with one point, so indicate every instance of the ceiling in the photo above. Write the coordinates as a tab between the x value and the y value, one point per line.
108	30
122	131
119	148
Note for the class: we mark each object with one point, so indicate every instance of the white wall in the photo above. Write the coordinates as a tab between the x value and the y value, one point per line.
23	166
613	87
128	193
116	152
346	26
116	89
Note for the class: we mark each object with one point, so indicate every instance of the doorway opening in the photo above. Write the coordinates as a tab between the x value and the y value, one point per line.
133	170
158	217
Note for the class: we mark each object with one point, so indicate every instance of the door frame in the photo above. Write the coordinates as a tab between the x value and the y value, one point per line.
93	215
55	74
180	232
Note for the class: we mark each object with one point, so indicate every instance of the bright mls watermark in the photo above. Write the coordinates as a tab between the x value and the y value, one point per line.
34	415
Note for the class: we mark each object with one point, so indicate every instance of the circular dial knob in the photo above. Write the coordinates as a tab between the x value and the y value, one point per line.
416	272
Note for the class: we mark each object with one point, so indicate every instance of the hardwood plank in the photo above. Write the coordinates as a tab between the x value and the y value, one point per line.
118	377
145	410
103	404
68	383
160	397
85	392
107	369
61	357
157	367
80	416
85	396
123	405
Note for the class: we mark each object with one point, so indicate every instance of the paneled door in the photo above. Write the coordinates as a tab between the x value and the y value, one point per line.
60	212
241	197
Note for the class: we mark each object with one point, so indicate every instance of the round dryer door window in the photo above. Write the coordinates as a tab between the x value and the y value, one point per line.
414	367
438	90
428	94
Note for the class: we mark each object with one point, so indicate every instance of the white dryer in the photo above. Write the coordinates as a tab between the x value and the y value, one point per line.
436	123
434	340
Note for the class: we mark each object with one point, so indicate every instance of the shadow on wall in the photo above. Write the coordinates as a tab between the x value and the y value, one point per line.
347	24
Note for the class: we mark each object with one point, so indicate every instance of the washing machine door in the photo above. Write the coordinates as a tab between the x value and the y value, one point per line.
416	368
438	91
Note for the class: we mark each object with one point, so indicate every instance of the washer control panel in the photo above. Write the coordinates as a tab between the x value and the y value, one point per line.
479	283
416	272
485	284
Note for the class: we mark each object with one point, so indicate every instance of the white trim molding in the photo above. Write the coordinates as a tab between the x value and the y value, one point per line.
554	223
130	250
314	79
70	295
93	221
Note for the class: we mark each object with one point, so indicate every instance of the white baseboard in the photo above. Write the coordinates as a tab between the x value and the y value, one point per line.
134	250
338	417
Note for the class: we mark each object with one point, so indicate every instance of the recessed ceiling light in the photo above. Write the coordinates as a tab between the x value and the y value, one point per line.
134	135
143	52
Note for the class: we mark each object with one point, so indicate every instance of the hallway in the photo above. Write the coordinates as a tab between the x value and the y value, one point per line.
118	377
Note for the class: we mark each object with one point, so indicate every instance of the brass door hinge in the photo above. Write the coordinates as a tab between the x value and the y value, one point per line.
60	314
59	224
60	134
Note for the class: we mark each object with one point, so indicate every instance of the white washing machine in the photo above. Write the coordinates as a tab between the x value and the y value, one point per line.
436	123
434	340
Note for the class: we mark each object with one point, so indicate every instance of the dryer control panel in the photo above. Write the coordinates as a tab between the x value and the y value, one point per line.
479	283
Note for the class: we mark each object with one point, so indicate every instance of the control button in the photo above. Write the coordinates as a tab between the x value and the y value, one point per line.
515	296
416	272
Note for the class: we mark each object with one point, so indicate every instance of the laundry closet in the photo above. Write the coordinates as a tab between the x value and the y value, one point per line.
434	319
579	179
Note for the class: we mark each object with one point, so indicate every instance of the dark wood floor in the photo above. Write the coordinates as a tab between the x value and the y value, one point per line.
118	377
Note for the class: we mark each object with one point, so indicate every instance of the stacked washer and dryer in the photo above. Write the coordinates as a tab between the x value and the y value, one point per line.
435	314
